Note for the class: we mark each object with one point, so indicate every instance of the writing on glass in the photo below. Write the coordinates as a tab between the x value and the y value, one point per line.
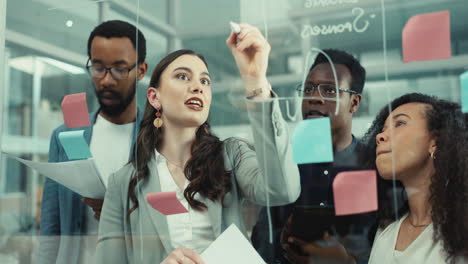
359	25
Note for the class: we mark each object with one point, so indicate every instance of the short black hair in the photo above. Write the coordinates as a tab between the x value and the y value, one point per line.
120	29
358	73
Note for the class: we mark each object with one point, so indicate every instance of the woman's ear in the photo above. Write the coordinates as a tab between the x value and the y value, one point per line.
153	97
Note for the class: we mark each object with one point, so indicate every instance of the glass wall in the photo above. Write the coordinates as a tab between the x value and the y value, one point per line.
45	56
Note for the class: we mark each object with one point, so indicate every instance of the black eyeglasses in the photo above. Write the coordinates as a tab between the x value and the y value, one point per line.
326	90
98	71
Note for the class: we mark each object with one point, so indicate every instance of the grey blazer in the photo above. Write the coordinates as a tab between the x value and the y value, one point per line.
265	175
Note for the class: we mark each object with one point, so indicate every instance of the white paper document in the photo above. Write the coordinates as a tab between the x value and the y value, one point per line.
231	247
80	176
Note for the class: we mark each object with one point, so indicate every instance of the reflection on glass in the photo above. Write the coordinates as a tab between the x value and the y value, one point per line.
46	43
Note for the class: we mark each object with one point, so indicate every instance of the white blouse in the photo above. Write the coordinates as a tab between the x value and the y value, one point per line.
422	250
191	230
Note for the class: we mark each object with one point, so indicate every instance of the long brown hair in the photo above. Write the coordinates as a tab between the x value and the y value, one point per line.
205	168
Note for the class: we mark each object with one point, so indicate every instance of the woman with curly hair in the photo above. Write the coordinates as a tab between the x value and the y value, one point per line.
422	145
176	152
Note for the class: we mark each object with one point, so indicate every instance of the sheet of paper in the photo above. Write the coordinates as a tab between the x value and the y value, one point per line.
166	203
427	37
312	141
75	145
464	91
231	247
75	110
80	176
355	192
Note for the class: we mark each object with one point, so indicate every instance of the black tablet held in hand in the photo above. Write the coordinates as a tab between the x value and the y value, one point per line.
310	224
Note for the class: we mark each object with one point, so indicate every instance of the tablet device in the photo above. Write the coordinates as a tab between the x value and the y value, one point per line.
310	224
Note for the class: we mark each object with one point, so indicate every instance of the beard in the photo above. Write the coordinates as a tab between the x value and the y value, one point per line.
122	101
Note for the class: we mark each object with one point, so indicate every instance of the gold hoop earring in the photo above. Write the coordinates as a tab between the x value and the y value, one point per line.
433	155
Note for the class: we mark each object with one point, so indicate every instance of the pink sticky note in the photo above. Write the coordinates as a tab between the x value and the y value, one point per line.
166	203
75	110
427	37
355	192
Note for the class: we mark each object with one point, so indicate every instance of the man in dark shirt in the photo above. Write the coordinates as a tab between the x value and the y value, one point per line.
344	239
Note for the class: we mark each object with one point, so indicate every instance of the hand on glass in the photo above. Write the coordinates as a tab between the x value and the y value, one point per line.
250	50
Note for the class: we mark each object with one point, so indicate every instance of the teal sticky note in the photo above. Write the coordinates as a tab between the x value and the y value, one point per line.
312	141
75	145
464	91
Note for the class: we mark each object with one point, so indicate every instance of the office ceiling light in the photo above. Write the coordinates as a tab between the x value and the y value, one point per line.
63	65
48	66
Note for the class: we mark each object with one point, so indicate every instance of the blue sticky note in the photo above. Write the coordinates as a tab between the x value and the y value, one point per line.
75	145
312	141
464	91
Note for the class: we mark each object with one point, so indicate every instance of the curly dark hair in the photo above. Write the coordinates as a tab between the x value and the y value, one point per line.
205	169
449	185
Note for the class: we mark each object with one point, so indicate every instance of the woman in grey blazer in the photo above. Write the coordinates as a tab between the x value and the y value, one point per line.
214	176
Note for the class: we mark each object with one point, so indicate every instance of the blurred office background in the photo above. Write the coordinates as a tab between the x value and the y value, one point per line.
44	55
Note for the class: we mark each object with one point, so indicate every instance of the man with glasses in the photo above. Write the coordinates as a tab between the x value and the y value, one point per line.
69	222
308	231
326	91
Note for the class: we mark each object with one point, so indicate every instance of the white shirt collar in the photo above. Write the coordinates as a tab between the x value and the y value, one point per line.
159	157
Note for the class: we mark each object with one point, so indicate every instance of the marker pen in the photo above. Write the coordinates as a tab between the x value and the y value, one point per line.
235	28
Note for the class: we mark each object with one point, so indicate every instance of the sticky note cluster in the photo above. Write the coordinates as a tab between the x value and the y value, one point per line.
75	114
